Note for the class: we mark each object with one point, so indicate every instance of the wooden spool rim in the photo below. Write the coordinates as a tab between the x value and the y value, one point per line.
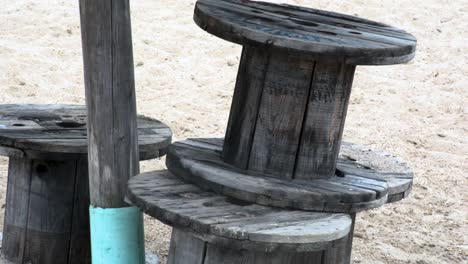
220	220
306	30
384	179
60	132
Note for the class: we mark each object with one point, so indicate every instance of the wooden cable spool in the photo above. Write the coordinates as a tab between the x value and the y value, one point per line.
283	144
47	201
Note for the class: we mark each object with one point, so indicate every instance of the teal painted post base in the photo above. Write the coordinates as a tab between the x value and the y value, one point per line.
117	235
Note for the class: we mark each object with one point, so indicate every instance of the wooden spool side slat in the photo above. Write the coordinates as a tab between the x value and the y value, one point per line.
80	247
280	116
245	106
16	209
216	254
186	249
324	121
50	211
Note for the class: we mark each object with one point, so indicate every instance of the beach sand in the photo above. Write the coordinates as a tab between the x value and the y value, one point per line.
185	77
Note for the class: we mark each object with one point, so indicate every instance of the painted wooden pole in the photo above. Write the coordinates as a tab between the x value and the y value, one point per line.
116	228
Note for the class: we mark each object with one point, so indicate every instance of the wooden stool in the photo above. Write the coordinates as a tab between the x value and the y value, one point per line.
46	214
283	142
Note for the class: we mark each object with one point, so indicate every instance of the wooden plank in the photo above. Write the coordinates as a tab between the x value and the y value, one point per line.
80	247
186	249
245	106
50	211
16	209
280	117
216	254
324	121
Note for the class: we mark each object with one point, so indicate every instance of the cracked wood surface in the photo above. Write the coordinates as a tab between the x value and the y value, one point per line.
233	223
59	131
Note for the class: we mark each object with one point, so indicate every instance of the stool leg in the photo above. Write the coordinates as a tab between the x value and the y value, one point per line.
46	217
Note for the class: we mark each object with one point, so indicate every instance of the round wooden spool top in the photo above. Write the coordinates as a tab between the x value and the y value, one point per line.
232	223
34	130
310	31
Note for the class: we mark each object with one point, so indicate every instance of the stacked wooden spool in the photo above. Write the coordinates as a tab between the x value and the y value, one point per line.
281	187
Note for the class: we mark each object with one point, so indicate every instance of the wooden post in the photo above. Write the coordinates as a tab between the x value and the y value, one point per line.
113	149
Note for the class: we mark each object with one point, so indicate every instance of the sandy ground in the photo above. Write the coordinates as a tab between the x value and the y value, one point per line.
185	77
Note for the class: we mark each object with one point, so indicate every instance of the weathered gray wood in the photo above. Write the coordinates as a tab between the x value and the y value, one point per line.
46	212
239	225
16	209
288	114
354	188
309	31
324	120
368	163
188	248
59	132
185	249
47	218
80	246
245	106
110	99
50	210
280	117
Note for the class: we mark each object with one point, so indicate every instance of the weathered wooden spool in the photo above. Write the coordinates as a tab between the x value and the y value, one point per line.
282	146
46	214
291	98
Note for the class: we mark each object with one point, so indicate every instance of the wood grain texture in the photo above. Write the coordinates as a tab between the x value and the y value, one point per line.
47	212
324	120
308	31
186	249
80	240
245	106
16	209
288	114
365	179
281	115
110	99
42	131
235	224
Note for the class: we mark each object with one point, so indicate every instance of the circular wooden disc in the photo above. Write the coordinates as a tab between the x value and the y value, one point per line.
33	130
365	179
221	220
307	30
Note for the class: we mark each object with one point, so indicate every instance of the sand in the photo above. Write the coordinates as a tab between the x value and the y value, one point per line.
185	77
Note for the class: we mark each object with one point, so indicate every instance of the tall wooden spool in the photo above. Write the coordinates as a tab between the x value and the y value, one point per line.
283	141
46	214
